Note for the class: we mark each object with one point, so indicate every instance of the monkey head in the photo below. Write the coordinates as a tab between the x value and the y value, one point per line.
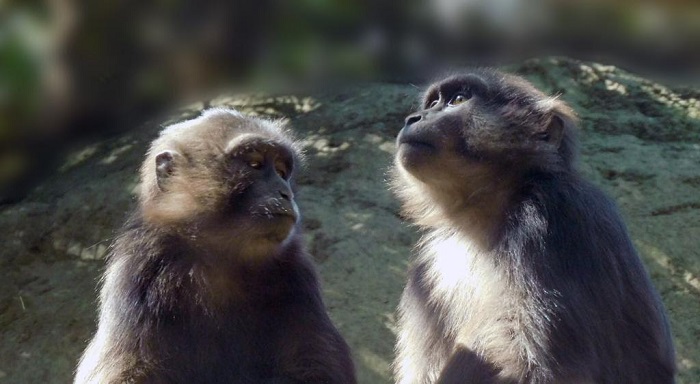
482	121
478	135
223	179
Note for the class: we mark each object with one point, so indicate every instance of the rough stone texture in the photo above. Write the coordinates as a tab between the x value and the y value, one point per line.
640	142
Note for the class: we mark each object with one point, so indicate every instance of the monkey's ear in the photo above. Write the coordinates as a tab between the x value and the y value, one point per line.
558	124
165	165
555	130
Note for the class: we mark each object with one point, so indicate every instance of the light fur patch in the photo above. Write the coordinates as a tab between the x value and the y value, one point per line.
460	272
477	302
547	104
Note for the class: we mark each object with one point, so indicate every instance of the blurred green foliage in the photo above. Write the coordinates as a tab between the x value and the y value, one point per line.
19	75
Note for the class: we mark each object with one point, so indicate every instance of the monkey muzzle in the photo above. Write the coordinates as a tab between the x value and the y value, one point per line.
278	208
414	137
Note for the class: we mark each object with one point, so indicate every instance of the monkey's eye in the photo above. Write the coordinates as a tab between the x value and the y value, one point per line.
433	103
281	172
282	168
460	98
255	164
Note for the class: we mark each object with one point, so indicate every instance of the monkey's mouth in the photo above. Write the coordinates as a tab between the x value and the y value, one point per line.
418	144
278	209
280	214
415	143
413	140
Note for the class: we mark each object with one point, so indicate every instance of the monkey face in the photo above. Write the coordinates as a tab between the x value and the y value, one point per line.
434	144
476	126
262	196
223	180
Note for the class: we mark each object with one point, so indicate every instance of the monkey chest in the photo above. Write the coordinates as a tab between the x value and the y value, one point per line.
470	299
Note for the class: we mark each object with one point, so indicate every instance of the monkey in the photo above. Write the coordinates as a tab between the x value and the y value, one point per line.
525	272
209	281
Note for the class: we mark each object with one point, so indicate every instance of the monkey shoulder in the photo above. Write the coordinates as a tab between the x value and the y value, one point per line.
572	215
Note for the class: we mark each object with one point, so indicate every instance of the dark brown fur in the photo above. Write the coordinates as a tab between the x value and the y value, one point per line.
525	273
209	282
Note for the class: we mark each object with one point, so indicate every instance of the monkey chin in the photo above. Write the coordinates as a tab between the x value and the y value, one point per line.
267	246
415	155
251	240
269	235
279	219
280	228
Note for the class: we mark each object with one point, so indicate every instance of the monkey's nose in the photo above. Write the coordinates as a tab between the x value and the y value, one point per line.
286	195
413	119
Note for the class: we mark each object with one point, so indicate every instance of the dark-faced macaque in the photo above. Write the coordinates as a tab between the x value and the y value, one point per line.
525	272
209	281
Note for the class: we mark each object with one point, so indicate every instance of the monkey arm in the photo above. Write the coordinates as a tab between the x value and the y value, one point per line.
323	358
311	349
